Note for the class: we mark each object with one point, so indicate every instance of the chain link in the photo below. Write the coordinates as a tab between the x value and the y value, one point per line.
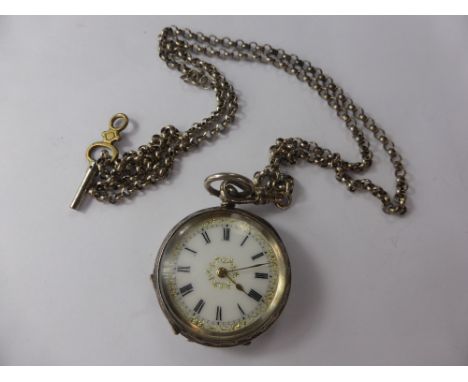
153	162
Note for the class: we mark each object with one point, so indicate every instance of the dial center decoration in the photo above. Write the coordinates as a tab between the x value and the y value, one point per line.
218	270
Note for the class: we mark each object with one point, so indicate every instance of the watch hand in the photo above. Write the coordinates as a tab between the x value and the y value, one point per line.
252	266
238	286
223	272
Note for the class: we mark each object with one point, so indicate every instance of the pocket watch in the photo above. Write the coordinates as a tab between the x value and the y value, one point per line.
222	275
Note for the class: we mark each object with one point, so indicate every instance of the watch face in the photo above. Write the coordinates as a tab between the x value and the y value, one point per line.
222	276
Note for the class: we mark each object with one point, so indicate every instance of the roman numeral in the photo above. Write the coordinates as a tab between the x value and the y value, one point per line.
190	250
219	313
255	257
261	275
241	310
206	237
198	308
255	295
245	239
185	290
226	232
183	269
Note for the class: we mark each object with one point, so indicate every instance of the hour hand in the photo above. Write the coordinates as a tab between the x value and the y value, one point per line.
223	272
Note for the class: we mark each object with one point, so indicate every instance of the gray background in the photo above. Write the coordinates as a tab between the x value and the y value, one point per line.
367	288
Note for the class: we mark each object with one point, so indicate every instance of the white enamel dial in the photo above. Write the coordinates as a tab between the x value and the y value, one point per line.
221	273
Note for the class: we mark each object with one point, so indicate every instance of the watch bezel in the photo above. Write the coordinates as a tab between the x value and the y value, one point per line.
264	321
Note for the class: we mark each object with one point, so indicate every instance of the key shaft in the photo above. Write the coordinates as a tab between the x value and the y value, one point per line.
83	189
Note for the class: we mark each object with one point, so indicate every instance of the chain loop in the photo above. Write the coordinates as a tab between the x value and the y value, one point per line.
153	162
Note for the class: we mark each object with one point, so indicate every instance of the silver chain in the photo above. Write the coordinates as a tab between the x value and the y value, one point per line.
153	162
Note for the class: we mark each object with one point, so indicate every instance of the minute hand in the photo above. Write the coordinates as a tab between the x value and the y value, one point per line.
252	266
